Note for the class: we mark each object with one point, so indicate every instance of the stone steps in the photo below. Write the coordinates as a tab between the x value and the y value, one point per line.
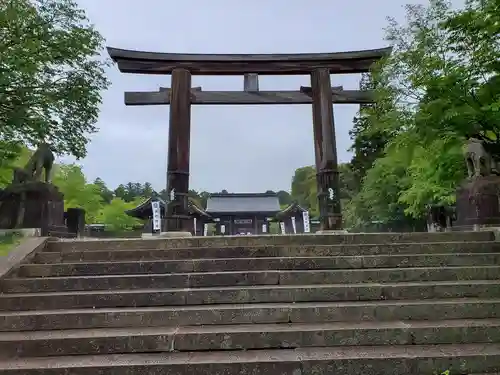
250	294
294	241
366	360
247	278
143	254
308	304
254	313
261	263
248	337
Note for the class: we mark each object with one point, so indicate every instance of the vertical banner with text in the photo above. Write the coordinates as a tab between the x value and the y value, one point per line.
155	208
307	225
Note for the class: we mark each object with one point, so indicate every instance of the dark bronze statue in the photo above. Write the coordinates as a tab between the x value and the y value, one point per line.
41	160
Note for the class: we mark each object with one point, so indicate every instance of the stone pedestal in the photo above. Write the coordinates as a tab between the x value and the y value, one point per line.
31	205
340	231
150	236
440	217
478	202
75	221
174	235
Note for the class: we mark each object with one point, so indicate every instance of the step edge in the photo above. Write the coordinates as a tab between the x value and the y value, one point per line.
311	354
410	284
244	306
279	328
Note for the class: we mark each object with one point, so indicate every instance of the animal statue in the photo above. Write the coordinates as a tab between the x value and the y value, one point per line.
479	161
42	159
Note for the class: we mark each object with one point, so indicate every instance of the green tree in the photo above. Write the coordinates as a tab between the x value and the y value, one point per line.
77	192
204	195
465	100
369	141
147	190
457	76
378	200
10	158
477	26
133	190
104	192
389	144
50	76
114	217
284	197
120	191
438	87
433	175
348	182
304	188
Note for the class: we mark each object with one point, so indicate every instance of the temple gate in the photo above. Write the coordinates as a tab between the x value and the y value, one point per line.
181	95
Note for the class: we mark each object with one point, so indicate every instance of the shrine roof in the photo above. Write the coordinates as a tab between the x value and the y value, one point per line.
243	203
290	210
144	210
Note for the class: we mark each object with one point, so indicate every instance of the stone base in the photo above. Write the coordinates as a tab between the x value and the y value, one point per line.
478	202
31	205
151	236
342	231
24	232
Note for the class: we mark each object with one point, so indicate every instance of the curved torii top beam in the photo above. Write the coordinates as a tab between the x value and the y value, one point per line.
130	61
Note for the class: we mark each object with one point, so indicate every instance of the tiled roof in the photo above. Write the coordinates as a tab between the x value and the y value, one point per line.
290	210
144	209
243	202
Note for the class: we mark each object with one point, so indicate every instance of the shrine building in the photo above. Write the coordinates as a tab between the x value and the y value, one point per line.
233	214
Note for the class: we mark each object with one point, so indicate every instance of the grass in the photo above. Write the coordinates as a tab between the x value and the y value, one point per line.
9	242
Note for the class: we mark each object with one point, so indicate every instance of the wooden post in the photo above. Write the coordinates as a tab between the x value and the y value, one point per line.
178	151
251	82
325	148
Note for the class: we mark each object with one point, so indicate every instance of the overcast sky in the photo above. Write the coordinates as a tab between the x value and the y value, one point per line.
237	148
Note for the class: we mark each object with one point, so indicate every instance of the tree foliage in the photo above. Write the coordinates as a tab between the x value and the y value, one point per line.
113	215
440	86
77	192
368	141
51	76
304	187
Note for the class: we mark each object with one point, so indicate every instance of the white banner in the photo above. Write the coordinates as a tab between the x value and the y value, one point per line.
194	226
264	228
294	225
155	208
282	226
205	230
307	225
223	228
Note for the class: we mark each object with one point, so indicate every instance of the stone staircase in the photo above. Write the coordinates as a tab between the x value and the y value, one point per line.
365	304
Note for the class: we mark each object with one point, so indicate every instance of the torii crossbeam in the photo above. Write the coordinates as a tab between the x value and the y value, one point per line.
181	95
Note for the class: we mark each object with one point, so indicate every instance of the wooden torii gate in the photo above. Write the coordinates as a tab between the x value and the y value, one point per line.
181	95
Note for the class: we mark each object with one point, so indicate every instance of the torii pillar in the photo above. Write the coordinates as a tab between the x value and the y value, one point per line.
325	149
179	135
